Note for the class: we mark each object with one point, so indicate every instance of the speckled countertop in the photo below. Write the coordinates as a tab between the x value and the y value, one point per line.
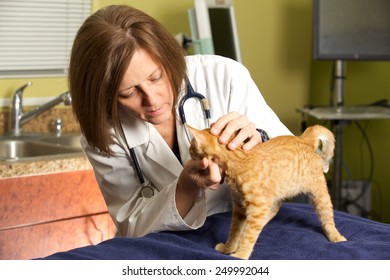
61	164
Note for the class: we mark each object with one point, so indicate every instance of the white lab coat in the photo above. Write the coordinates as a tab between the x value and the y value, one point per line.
228	87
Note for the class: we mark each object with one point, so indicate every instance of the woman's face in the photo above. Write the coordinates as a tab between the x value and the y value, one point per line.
145	90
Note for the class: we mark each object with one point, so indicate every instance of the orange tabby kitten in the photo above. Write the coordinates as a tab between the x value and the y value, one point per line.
261	178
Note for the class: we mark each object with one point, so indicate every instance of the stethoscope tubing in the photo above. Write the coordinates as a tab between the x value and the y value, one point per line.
191	93
136	165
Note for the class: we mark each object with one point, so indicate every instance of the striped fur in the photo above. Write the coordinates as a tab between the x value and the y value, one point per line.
260	179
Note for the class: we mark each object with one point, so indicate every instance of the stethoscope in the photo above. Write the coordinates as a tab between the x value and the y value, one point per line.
191	93
147	190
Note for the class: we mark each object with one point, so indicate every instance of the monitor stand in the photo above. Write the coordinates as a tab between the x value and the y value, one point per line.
338	126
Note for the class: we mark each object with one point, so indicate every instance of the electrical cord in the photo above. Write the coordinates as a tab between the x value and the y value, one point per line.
347	202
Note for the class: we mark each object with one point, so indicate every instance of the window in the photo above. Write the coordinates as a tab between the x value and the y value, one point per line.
36	36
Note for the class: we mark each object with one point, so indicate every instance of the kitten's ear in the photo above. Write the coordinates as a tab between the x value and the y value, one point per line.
197	134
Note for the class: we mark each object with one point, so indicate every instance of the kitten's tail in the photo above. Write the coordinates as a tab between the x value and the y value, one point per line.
323	140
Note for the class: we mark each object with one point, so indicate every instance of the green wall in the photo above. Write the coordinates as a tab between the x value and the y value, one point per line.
275	38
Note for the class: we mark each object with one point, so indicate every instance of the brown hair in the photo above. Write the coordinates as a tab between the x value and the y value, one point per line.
102	50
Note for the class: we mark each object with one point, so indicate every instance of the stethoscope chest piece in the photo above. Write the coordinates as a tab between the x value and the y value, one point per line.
147	191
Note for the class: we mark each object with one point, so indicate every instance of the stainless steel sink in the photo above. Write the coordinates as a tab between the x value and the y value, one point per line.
68	140
39	147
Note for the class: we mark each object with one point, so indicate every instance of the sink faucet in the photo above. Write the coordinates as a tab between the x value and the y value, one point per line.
17	117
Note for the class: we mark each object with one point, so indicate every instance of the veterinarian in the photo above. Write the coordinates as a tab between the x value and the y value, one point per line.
126	76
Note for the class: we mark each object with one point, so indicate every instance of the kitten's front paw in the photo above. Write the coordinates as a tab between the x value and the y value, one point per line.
240	256
220	247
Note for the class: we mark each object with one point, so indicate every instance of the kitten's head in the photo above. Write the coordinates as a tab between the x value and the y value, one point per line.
204	144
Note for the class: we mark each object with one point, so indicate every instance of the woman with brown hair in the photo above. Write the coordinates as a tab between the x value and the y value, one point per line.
126	76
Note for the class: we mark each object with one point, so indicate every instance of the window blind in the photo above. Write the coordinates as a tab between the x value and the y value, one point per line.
36	36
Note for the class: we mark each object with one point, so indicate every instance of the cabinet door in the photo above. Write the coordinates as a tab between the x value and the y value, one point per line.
29	200
45	239
42	214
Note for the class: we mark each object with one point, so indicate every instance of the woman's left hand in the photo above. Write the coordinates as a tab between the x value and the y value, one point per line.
228	124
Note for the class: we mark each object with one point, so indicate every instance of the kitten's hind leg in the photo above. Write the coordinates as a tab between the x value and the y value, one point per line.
324	208
236	227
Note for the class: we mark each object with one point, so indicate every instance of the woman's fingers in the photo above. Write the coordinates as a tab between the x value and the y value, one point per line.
234	123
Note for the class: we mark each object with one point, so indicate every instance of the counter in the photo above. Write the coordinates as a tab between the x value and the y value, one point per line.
61	164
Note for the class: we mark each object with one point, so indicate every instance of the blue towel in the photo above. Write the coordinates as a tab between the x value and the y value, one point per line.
294	234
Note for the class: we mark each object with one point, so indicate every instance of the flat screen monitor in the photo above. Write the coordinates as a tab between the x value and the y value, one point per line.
224	36
351	29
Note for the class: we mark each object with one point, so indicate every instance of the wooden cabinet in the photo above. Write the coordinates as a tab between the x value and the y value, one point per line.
44	214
